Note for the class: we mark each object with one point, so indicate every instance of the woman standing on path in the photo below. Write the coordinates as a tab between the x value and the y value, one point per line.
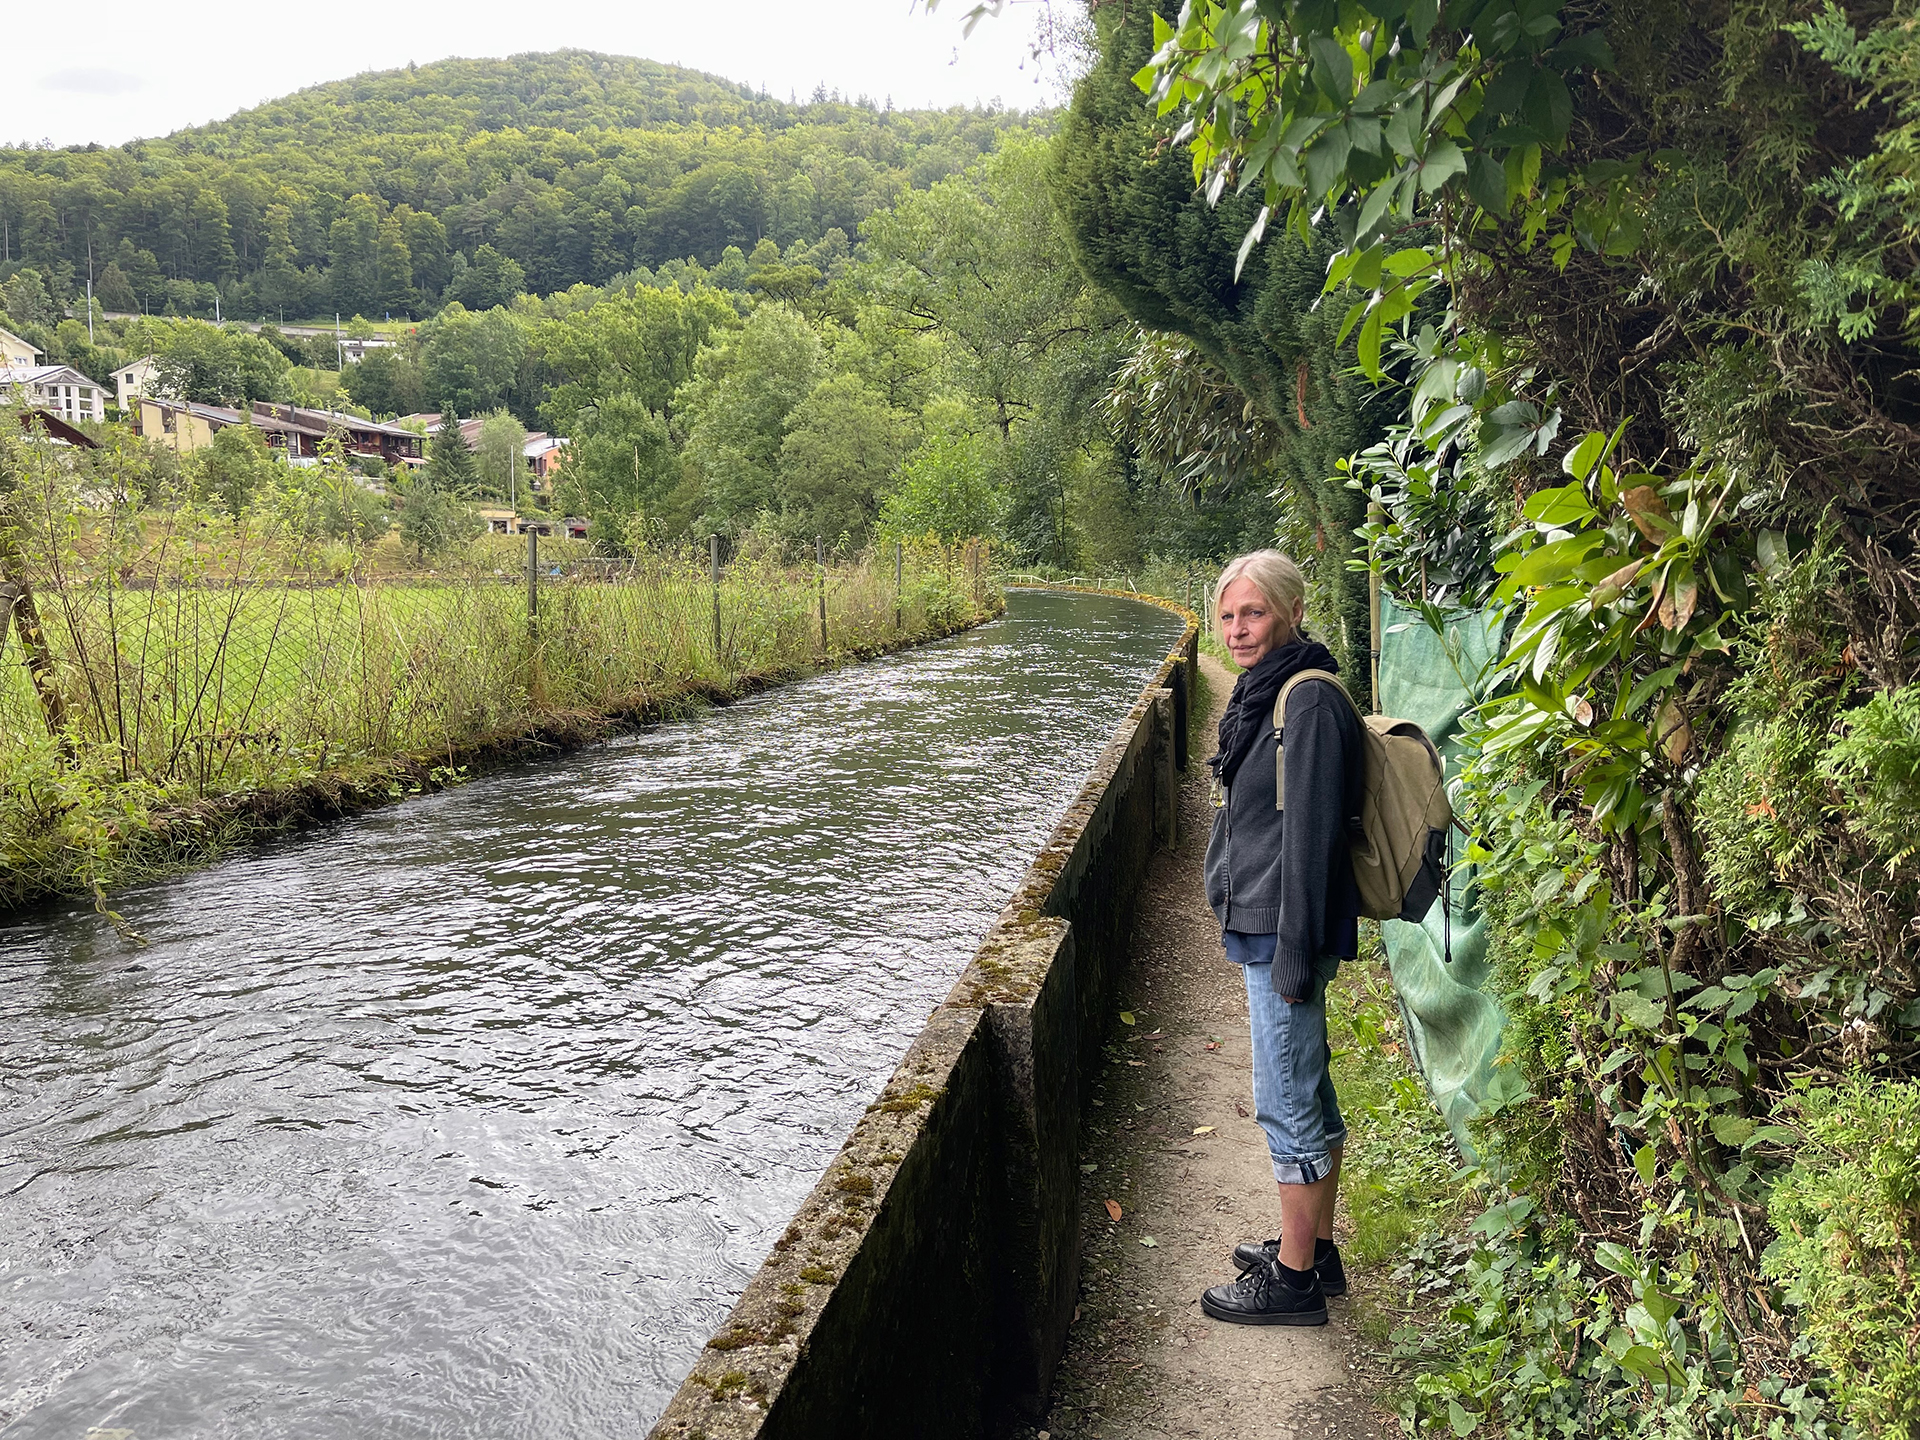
1281	883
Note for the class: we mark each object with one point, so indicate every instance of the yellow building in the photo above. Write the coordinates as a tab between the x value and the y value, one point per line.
15	353
180	427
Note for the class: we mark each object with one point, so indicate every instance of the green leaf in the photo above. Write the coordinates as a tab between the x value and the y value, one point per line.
1644	691
1487	184
1408	262
1771	546
1374	210
1463	1423
1618	1058
1401	131
1546	605
1549	107
1421	17
1617	1258
1378	96
1628	230
1645	1162
1644	1361
1442	163
1437	112
1365	135
1639	1010
1303	128
1126	1018
1503	1218
1354	312
1507	89
1582	52
1771	1135
1369	345
1554	560
1332	68
1365	274
1580	460
1709	999
1562	505
1522	168
1326	161
1498	446
1731	1129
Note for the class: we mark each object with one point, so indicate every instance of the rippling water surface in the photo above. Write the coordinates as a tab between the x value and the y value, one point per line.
472	1117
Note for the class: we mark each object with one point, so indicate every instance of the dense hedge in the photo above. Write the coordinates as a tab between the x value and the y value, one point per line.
1668	422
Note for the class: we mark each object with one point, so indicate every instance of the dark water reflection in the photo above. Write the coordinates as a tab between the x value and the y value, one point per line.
471	1118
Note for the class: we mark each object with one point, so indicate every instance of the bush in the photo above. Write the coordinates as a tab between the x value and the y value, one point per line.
1764	813
1848	1215
1877	768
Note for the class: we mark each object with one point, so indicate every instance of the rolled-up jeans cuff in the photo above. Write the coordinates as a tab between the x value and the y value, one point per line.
1303	1169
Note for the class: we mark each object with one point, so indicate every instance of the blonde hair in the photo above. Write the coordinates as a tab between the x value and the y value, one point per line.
1276	577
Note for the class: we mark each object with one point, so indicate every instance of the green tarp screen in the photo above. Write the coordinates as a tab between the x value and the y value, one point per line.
1453	1025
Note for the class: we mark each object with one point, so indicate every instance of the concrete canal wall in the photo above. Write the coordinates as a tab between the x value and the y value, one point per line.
926	1284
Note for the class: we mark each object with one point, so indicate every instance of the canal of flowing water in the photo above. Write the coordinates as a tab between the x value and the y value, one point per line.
472	1117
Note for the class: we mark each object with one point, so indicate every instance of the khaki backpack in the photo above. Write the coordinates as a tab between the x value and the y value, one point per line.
1399	839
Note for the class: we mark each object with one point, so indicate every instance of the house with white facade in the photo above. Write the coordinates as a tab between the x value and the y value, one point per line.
58	388
353	351
131	381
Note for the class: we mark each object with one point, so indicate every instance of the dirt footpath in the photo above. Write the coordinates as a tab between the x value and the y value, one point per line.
1173	1145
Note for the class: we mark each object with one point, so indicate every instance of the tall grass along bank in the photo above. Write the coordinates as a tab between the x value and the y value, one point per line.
174	679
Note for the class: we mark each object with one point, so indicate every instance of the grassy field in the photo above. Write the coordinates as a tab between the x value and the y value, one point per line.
197	676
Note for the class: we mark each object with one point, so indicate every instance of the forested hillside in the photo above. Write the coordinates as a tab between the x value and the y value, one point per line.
378	194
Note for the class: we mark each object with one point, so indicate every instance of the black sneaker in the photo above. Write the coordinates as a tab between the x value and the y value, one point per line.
1261	1296
1333	1274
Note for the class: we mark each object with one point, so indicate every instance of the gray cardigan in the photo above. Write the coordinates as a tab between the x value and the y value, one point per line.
1287	873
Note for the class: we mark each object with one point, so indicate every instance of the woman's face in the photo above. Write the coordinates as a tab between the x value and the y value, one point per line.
1250	624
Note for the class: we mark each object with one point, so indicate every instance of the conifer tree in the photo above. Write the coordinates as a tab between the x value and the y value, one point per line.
450	468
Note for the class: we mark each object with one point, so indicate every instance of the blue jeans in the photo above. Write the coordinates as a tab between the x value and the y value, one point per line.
1293	1095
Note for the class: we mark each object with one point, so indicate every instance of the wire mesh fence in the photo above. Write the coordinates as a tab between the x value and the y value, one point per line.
205	655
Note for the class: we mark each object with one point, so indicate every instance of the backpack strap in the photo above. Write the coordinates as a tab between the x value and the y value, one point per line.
1280	726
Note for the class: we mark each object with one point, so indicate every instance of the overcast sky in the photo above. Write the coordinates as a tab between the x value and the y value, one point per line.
112	70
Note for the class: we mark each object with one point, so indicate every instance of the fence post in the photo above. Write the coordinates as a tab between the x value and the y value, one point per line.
33	640
536	675
533	580
713	562
820	564
898	566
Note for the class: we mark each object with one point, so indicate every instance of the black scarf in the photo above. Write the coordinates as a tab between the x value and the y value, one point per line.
1253	696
